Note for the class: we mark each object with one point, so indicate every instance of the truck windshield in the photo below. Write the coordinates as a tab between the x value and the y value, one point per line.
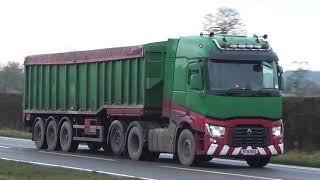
231	75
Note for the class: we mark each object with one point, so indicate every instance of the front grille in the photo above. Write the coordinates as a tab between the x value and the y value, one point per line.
249	136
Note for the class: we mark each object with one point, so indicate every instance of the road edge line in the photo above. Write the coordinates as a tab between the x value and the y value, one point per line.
76	155
221	173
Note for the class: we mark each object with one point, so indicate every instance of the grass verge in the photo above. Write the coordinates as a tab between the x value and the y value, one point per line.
21	171
15	133
310	159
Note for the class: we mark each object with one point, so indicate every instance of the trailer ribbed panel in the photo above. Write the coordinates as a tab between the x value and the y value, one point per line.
58	85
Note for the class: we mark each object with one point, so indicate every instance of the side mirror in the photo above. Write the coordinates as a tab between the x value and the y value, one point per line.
196	81
281	78
280	69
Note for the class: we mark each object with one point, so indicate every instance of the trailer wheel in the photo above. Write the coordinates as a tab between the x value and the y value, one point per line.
186	148
258	161
66	141
52	136
135	143
94	147
117	137
39	134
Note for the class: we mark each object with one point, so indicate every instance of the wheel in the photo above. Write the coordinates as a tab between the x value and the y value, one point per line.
94	147
117	138
186	148
258	161
52	136
66	141
135	143
39	135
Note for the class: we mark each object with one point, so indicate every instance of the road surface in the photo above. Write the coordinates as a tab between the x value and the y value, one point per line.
165	168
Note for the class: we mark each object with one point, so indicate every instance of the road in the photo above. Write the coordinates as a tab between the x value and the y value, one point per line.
165	168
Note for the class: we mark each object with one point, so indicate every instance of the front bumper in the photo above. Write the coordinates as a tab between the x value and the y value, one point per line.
225	150
224	147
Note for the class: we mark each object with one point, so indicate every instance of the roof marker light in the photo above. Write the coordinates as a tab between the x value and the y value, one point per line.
234	46
257	46
242	46
250	46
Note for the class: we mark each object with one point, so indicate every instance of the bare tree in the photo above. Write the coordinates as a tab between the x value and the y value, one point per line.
225	21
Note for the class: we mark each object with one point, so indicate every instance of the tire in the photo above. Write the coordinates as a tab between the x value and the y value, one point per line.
117	138
52	136
186	148
94	147
258	161
39	135
66	141
135	143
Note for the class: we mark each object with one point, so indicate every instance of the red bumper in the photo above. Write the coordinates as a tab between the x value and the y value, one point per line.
223	147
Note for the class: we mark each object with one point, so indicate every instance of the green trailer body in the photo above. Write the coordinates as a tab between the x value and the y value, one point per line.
129	77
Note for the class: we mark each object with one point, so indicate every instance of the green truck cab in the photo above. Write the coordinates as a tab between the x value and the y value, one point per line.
196	97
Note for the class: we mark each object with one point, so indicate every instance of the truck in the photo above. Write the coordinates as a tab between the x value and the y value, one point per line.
196	97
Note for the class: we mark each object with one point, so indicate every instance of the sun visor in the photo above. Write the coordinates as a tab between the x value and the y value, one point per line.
236	55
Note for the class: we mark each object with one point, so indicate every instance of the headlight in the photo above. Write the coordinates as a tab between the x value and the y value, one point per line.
215	131
277	131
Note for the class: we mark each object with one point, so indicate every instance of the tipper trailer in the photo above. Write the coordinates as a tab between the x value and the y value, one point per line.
196	97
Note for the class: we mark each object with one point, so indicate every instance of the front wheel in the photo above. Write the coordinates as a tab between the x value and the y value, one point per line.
135	143
258	161
186	148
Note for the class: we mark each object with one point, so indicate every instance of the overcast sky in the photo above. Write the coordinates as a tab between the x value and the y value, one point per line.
43	26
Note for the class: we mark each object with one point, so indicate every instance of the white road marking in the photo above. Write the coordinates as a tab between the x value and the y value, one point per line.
15	139
79	156
5	147
77	168
270	164
221	173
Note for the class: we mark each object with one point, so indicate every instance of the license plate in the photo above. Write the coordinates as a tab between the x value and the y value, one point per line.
249	152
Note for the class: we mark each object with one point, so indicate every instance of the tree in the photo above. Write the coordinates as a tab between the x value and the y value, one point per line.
297	82
225	21
11	78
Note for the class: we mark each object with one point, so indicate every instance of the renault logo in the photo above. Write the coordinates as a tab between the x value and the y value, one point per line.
249	131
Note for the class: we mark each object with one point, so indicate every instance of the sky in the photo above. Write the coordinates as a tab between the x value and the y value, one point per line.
43	26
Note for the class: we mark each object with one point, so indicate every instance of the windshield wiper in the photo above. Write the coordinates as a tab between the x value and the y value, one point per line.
267	92
235	92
